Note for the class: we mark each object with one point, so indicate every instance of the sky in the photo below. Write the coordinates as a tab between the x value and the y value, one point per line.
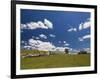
50	30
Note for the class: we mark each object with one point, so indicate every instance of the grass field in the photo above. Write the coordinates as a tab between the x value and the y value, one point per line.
55	61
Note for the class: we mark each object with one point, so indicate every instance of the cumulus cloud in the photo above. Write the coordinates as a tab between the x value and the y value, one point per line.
48	23
35	25
85	25
40	45
52	35
43	36
72	29
84	37
46	46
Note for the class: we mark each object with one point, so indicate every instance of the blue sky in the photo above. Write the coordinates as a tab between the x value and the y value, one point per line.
55	28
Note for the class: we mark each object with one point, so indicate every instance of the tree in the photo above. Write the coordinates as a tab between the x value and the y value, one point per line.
82	52
66	51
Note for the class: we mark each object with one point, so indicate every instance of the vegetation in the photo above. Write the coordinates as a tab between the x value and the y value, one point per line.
66	51
82	52
54	61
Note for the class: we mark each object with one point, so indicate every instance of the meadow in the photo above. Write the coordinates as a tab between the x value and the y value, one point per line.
54	61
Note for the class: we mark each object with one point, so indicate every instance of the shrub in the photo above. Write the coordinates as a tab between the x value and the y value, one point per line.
82	52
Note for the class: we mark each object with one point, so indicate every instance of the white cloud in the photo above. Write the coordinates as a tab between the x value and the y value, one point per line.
22	42
59	41
60	48
48	23
80	39
33	36
35	25
84	37
23	26
87	49
73	51
25	43
43	36
80	26
72	29
52	35
46	46
85	25
40	45
27	47
37	38
33	42
66	44
64	41
41	24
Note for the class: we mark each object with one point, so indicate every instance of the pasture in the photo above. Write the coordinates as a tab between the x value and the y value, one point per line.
55	61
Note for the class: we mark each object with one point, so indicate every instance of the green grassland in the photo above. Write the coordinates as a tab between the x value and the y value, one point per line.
54	61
